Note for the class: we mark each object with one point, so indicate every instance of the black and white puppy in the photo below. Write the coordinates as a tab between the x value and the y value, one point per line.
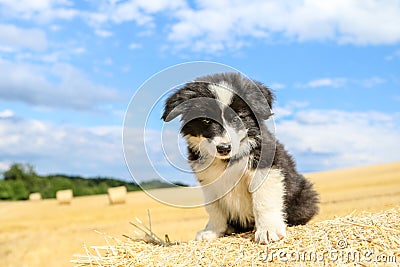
248	179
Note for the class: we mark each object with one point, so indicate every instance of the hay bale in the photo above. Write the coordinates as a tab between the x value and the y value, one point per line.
117	195
64	196
35	196
345	241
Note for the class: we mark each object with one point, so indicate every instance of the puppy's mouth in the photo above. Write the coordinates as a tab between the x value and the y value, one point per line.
227	157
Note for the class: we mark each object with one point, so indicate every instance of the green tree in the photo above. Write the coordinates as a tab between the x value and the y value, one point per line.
21	179
19	171
19	190
6	191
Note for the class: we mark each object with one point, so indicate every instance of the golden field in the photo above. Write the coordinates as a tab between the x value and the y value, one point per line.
44	233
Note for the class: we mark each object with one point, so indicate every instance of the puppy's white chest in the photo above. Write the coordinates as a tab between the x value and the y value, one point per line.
209	170
227	184
237	203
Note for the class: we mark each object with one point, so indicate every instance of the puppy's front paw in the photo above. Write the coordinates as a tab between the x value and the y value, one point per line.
270	233
207	235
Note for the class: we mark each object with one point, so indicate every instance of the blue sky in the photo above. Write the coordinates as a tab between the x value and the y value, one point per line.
69	69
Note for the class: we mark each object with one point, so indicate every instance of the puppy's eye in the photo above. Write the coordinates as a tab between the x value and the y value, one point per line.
206	121
236	119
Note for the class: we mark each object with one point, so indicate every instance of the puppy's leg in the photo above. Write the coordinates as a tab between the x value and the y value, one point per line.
217	223
303	204
268	206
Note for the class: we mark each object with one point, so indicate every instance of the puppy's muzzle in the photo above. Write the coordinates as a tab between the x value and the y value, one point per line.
224	148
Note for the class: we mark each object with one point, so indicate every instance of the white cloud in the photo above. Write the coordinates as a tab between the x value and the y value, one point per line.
342	82
62	52
7	113
108	61
19	38
159	5
277	86
160	154
39	10
89	151
51	57
103	33
79	50
217	25
133	46
393	55
7	49
329	139
4	166
281	112
58	86
139	11
213	26
61	148
59	13
326	82
55	28
128	11
371	82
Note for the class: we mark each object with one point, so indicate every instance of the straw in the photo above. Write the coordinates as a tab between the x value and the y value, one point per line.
368	239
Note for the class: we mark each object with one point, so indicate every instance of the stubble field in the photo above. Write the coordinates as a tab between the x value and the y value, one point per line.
44	233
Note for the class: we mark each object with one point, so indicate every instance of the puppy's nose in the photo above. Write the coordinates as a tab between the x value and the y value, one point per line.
224	148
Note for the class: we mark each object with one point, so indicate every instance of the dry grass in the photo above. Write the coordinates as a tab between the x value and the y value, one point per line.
30	231
367	239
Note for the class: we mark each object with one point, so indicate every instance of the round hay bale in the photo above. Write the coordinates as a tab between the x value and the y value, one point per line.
64	196
35	196
117	195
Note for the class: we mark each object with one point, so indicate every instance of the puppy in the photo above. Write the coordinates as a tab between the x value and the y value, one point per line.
248	179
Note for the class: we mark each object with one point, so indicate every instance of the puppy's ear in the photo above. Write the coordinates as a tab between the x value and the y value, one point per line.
175	104
264	102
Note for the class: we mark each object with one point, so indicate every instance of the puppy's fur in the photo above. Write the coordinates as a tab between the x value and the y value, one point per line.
249	180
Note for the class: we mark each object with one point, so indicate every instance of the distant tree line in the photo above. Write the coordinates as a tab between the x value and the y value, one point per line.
21	179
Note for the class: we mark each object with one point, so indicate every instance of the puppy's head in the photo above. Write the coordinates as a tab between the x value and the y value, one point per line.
221	114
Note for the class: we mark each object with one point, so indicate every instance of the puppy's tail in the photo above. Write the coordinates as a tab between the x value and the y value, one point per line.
303	205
